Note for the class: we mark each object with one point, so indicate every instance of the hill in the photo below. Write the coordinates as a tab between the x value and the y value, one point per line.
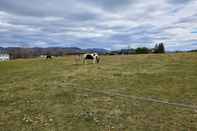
19	52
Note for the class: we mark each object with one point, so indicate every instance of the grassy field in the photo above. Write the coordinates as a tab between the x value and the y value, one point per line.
52	95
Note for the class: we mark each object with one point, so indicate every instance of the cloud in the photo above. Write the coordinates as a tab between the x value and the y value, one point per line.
107	24
179	1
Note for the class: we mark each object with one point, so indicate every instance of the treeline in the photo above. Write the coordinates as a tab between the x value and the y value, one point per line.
192	51
159	48
21	52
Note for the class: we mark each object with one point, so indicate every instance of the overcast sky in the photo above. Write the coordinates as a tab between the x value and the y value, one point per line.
110	24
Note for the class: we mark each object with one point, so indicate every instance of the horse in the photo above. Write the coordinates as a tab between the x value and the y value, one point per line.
48	57
91	56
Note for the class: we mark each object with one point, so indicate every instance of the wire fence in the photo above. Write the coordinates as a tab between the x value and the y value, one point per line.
113	94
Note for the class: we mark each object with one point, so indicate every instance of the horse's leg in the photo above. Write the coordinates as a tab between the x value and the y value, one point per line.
99	59
84	61
94	61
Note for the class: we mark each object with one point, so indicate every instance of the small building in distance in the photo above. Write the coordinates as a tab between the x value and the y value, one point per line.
4	57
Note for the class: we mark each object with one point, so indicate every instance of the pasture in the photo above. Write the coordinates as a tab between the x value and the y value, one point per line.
63	94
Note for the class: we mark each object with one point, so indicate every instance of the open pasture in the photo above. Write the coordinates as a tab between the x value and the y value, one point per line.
64	94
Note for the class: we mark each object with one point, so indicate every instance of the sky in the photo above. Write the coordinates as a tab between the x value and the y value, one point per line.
109	24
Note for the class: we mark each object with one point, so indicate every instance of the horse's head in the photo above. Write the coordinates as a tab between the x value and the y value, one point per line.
95	54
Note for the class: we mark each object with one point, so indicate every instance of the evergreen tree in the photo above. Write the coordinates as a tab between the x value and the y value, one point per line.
159	48
142	50
156	48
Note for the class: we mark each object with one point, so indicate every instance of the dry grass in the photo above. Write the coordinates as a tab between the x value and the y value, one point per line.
48	95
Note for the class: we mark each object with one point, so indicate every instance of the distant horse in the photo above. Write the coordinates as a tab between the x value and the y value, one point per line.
93	56
48	57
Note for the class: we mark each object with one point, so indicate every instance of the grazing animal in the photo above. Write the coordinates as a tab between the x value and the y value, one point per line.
94	57
48	57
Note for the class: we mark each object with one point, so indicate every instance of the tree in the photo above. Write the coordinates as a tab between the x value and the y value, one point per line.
142	50
156	48
159	48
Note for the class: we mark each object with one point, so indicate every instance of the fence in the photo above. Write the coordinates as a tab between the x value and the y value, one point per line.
180	105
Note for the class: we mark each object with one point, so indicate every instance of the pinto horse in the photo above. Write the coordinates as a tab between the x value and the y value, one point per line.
93	56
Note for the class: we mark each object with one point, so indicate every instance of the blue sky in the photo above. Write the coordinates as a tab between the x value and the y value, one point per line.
110	24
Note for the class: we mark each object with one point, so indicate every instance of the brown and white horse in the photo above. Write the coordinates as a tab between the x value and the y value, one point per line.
91	56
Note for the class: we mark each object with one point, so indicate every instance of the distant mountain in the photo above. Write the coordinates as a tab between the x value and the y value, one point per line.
73	49
123	51
18	52
3	50
98	50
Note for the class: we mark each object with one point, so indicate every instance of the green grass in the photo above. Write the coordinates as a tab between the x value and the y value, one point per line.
48	95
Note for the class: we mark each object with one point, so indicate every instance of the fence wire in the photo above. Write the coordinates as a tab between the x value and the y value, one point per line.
113	94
